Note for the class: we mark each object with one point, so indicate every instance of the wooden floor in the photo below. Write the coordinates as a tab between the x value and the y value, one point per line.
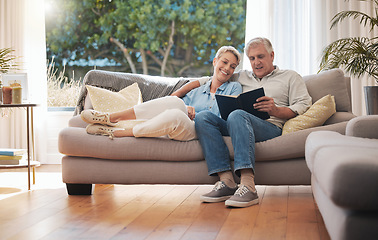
149	212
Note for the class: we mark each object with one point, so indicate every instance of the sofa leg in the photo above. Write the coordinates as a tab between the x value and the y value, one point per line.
79	189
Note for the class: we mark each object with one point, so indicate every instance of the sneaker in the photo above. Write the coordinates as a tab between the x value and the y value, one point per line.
243	197
221	192
93	116
97	129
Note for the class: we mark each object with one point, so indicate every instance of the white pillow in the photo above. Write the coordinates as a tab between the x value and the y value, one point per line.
104	100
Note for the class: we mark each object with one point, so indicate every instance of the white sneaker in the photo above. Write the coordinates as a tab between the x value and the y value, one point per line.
243	197
97	129
93	117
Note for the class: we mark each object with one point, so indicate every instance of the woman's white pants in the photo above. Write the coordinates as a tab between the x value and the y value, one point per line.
164	116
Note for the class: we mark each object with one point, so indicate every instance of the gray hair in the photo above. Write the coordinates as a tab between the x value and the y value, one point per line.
256	41
228	49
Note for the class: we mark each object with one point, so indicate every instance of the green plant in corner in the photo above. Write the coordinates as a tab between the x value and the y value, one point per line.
7	60
358	55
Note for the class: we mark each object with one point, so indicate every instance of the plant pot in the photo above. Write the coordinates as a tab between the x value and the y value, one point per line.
371	99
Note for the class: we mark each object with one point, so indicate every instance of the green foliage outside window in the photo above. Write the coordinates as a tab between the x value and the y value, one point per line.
163	37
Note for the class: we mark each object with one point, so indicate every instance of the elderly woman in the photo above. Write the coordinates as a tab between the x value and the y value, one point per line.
171	115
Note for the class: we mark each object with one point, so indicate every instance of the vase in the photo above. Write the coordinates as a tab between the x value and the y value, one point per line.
371	99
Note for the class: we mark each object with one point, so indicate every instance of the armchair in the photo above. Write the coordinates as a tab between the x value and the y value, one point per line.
344	178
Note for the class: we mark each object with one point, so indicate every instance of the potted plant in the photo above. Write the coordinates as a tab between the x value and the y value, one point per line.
6	60
358	55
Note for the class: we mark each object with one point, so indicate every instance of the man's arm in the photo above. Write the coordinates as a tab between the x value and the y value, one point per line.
182	91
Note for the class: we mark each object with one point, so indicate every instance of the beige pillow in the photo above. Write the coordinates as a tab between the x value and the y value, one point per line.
104	100
315	116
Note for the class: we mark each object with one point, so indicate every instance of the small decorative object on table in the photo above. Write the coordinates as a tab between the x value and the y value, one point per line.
7	94
16	93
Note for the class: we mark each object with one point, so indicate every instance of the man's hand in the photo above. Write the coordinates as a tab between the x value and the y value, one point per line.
191	112
266	104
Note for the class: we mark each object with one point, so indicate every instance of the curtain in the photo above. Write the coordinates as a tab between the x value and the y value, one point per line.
300	29
22	27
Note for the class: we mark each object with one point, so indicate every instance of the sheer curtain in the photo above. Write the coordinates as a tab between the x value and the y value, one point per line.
22	27
299	31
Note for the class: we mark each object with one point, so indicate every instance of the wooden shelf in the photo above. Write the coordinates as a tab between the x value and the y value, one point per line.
22	164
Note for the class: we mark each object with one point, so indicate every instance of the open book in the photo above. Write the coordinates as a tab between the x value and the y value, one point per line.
244	101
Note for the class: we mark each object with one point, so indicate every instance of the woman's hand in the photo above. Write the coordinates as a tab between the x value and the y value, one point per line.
191	112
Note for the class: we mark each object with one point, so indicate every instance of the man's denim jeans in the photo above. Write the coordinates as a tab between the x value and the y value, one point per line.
245	129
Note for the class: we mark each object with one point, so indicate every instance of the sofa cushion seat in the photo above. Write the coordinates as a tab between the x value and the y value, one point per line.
291	145
164	149
339	117
126	148
332	159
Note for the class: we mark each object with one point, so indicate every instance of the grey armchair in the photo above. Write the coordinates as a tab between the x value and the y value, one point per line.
344	178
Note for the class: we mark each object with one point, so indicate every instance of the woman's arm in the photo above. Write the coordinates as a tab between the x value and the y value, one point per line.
194	83
186	88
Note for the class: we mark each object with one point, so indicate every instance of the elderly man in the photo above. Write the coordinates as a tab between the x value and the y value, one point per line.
286	96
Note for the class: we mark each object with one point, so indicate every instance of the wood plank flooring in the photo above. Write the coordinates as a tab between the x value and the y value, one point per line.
149	212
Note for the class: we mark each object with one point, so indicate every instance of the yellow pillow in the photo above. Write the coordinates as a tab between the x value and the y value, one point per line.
104	100
315	116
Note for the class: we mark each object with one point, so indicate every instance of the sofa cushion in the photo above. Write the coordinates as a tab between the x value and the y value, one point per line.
104	100
329	82
315	116
288	146
325	138
71	142
345	167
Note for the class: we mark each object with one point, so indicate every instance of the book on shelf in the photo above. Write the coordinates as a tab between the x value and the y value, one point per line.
5	157
11	160
244	101
12	151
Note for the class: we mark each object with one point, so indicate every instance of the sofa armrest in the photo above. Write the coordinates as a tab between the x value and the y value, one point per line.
76	121
345	167
363	126
339	117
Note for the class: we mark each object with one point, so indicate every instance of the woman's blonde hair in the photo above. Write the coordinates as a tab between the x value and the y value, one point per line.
228	49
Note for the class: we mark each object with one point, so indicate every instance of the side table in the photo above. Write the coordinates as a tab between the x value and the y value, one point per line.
29	138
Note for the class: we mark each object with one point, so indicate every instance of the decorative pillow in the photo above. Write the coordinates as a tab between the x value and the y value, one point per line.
104	100
315	116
